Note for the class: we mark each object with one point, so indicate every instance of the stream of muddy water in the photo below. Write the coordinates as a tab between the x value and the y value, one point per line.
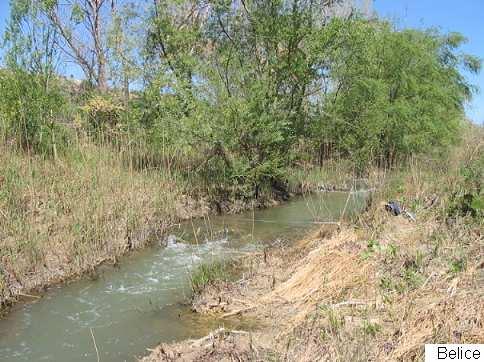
139	304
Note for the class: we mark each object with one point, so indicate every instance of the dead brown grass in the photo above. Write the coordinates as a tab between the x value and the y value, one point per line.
377	290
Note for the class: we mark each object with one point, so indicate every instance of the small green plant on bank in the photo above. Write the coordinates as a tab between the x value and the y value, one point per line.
457	265
209	273
372	247
408	278
333	321
391	251
371	329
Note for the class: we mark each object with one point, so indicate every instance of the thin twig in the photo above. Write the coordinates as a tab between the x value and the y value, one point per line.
216	333
349	303
29	295
95	346
238	311
194	231
427	280
346	204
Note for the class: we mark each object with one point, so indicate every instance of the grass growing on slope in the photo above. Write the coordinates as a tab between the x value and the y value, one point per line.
63	217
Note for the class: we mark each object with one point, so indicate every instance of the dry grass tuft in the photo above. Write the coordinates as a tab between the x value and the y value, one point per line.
330	273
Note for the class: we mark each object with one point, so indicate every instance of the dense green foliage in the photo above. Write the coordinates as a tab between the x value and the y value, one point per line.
398	92
31	112
236	93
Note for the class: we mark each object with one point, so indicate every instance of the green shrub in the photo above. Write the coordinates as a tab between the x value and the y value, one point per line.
398	93
103	115
468	195
31	109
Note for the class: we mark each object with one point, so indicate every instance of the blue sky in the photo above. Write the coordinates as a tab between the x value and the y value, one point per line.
465	16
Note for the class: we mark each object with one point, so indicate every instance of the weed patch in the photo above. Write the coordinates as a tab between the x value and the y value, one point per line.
207	274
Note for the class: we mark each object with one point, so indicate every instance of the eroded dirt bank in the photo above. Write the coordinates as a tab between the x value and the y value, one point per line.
356	293
66	260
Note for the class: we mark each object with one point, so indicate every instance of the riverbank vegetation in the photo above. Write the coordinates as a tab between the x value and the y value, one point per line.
186	107
378	288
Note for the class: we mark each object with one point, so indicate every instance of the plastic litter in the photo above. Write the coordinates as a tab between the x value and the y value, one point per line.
396	209
393	207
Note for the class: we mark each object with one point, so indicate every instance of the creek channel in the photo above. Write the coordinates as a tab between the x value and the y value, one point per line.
140	303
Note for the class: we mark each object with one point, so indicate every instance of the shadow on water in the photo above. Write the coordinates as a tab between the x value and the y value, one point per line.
138	304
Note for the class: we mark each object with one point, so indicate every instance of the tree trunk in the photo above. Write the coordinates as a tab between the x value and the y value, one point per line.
96	33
